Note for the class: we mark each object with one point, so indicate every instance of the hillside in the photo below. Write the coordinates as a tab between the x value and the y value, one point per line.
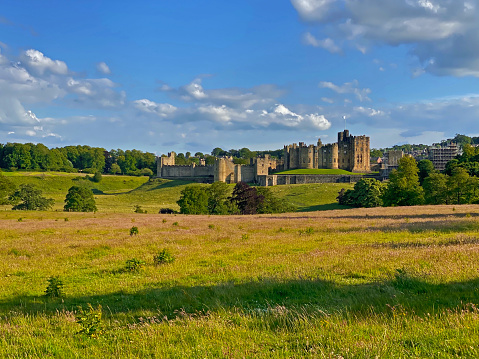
121	193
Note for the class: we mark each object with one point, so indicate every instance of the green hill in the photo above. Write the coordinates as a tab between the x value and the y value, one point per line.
121	193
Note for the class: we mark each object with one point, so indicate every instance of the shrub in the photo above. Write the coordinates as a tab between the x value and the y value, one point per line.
27	197
79	199
54	288
134	265
138	209
96	177
133	231
90	321
308	231
163	257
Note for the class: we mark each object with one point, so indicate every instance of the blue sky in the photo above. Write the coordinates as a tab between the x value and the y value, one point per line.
193	75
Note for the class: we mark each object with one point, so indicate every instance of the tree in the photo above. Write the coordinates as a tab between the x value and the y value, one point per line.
97	177
193	200
246	198
218	202
29	198
461	187
435	189
403	188
272	204
217	152
6	189
425	167
367	192
79	199
115	169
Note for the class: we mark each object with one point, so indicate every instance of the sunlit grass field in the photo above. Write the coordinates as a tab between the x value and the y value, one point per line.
353	283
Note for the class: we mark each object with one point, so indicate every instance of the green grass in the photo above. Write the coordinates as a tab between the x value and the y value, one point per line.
317	171
121	193
357	283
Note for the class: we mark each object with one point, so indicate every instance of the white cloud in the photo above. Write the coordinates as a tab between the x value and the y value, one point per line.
160	109
441	30
348	88
39	63
103	68
327	44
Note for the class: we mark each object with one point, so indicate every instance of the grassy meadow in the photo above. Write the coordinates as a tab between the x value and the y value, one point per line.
354	283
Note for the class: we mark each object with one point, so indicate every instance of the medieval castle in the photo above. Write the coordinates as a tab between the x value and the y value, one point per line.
350	153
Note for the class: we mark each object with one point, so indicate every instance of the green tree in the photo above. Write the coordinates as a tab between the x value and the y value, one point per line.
6	189
461	187
425	167
272	204
217	152
79	199
115	169
97	177
367	192
435	189
403	188
218	202
29	198
193	200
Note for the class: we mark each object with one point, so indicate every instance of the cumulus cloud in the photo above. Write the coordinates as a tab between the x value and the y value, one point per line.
36	62
348	88
442	34
231	97
103	68
35	79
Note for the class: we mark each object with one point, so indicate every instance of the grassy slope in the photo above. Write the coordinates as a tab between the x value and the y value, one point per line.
387	282
122	193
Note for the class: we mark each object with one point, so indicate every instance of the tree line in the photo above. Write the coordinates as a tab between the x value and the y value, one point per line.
413	184
38	157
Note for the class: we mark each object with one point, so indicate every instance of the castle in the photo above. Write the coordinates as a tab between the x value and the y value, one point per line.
223	170
350	153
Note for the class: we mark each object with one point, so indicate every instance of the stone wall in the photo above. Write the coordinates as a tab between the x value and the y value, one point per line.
273	180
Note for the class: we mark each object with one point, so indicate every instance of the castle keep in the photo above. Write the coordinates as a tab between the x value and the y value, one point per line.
350	153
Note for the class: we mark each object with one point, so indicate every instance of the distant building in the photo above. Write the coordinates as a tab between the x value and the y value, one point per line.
390	162
439	156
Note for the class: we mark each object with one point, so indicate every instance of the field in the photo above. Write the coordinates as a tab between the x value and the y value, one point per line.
354	283
120	194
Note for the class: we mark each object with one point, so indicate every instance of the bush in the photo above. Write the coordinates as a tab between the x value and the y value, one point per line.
89	321
96	177
133	231
134	265
54	288
138	209
27	197
163	257
79	199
